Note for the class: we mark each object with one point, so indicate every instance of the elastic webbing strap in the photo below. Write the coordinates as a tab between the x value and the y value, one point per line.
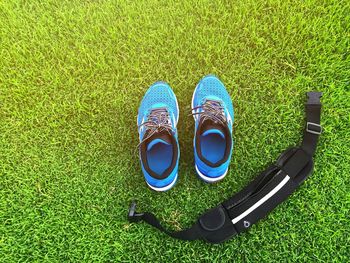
191	233
313	128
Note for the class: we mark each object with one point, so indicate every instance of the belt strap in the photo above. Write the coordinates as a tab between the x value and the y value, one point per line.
260	197
313	128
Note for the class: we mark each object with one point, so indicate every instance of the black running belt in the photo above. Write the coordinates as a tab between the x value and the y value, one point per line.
258	198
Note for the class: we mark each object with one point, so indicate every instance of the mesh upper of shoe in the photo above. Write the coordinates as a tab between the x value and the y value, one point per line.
158	93
211	86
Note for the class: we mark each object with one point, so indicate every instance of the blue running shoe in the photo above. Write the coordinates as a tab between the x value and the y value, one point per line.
159	148
213	113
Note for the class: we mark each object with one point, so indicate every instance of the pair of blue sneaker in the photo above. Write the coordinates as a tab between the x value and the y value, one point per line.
157	118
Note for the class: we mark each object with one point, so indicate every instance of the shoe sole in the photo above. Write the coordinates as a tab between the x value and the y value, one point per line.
164	188
202	176
208	179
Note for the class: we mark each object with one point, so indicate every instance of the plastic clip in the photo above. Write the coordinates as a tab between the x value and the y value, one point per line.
133	216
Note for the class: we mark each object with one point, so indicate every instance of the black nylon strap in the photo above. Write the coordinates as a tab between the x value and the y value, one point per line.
313	128
261	196
191	233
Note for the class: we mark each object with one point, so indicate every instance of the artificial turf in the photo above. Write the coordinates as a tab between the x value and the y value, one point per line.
72	74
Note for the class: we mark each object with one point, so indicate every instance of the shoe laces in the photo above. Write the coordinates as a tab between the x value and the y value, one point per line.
211	109
157	121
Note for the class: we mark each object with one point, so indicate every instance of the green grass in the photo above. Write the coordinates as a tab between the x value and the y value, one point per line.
72	74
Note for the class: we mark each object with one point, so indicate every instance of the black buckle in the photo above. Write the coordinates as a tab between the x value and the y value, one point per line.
310	128
314	98
133	216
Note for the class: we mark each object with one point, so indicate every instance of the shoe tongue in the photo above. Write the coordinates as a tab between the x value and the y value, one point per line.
162	137
210	127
